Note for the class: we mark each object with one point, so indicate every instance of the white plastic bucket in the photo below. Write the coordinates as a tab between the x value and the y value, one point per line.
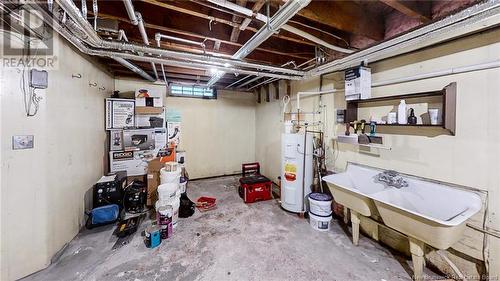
175	203
167	177
171	166
320	223
320	204
168	191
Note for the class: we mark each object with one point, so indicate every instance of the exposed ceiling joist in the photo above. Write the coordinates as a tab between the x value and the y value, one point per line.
202	37
420	10
235	32
223	21
346	16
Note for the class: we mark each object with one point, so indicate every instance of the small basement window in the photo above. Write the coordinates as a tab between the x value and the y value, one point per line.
192	91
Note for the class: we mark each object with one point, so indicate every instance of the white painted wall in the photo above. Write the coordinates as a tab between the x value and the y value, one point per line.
470	158
42	189
218	135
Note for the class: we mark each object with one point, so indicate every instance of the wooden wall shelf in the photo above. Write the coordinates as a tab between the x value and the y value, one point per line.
448	93
148	110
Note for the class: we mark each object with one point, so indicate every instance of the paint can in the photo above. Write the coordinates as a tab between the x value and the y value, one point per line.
320	223
152	236
320	204
164	217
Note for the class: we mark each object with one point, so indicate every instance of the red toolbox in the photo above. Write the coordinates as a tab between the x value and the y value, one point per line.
254	186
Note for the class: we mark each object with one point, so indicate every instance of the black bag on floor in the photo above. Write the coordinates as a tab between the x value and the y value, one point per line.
187	206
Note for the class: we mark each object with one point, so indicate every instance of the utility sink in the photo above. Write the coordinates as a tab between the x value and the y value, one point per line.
425	210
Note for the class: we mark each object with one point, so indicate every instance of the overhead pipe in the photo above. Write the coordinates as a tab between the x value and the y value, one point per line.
162	65
130	11
142	31
122	35
263	82
94	40
129	65
263	18
159	36
112	54
134	68
285	13
248	82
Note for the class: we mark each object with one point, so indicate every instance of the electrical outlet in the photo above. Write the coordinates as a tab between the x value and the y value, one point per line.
23	142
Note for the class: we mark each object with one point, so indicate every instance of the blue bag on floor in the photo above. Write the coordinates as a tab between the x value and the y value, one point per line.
103	215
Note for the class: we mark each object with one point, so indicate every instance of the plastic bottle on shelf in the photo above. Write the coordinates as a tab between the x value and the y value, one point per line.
402	118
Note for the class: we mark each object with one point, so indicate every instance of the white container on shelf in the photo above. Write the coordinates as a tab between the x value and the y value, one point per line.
402	118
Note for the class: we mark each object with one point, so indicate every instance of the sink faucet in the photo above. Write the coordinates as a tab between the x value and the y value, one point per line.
392	178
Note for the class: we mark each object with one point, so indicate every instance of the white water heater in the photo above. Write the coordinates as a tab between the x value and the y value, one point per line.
296	177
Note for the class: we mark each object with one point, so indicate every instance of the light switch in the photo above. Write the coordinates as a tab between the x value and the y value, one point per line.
22	142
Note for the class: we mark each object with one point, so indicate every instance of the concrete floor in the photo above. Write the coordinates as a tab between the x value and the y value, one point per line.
236	241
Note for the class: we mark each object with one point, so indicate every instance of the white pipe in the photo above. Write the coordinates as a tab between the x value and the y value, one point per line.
450	71
130	11
144	35
263	82
313	94
289	28
162	66
122	35
159	36
250	81
94	40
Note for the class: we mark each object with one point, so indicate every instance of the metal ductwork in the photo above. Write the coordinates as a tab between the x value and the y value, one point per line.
95	41
473	19
284	14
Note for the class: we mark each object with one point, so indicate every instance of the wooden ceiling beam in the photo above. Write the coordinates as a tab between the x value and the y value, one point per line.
235	32
201	37
420	10
347	16
223	21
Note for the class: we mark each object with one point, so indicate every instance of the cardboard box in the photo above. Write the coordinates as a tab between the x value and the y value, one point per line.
148	97
120	113
174	132
141	139
358	83
153	180
115	140
134	162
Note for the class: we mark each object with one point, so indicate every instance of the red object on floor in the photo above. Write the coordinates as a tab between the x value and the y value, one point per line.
253	186
206	203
